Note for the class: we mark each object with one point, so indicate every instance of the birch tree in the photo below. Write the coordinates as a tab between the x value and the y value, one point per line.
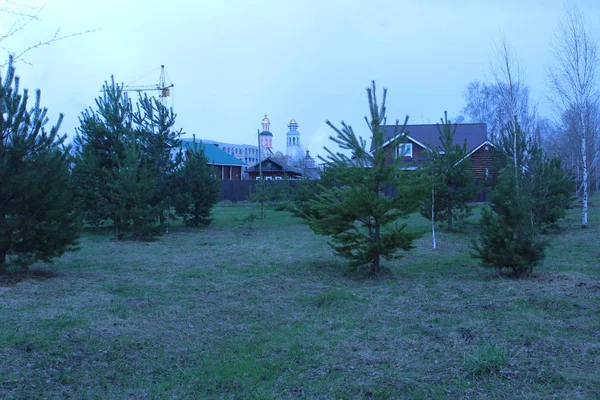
519	116
504	97
573	79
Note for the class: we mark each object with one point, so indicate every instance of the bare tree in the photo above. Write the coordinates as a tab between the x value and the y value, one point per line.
513	103
499	102
573	78
17	16
482	106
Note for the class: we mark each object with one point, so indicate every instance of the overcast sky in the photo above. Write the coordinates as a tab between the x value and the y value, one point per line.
232	61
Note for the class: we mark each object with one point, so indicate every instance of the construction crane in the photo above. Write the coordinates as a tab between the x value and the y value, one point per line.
161	86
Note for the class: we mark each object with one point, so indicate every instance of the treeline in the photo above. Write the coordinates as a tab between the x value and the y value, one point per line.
573	91
530	191
130	169
126	170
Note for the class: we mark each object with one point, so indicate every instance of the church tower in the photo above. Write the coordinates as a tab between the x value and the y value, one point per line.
266	138
293	150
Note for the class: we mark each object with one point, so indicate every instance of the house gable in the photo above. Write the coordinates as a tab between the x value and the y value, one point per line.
417	155
273	168
427	135
481	160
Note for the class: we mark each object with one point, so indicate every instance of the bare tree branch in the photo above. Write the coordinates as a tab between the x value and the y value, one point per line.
23	15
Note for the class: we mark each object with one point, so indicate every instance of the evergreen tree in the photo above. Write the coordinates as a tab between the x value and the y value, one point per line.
262	193
362	221
125	162
543	180
196	188
133	190
37	220
451	176
549	189
514	145
101	143
508	237
531	194
161	149
307	190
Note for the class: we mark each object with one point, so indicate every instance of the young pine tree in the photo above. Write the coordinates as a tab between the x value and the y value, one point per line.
196	188
508	239
452	179
115	170
362	221
133	189
37	218
101	142
161	150
307	190
549	188
261	194
530	195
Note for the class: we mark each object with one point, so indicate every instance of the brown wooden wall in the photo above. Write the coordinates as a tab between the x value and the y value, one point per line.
480	160
227	172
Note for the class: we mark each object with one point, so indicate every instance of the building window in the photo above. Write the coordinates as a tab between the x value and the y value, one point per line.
404	150
269	178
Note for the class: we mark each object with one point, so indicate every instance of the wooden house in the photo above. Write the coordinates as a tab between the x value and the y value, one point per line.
273	169
422	138
226	166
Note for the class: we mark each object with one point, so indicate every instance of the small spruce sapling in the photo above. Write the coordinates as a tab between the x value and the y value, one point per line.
196	188
364	223
450	172
508	238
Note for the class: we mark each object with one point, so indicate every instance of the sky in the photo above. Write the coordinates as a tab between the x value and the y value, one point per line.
233	61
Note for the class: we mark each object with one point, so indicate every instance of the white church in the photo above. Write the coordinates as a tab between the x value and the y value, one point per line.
295	158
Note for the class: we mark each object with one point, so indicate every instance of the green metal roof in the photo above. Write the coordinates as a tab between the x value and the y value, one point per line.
215	154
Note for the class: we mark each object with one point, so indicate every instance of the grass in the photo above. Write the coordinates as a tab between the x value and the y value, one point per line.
220	313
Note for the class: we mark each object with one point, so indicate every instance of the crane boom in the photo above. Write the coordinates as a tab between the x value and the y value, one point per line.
164	90
160	86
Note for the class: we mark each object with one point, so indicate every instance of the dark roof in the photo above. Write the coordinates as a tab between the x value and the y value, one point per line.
284	167
428	134
266	133
215	155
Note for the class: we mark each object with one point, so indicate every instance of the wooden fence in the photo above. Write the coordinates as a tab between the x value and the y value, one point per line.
235	191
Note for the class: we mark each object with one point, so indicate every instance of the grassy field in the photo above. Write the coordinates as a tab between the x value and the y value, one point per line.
230	312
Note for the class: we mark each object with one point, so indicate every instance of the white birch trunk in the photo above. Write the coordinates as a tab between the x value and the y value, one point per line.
584	173
433	217
515	155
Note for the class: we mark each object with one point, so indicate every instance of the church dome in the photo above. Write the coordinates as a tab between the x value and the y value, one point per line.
266	120
293	125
